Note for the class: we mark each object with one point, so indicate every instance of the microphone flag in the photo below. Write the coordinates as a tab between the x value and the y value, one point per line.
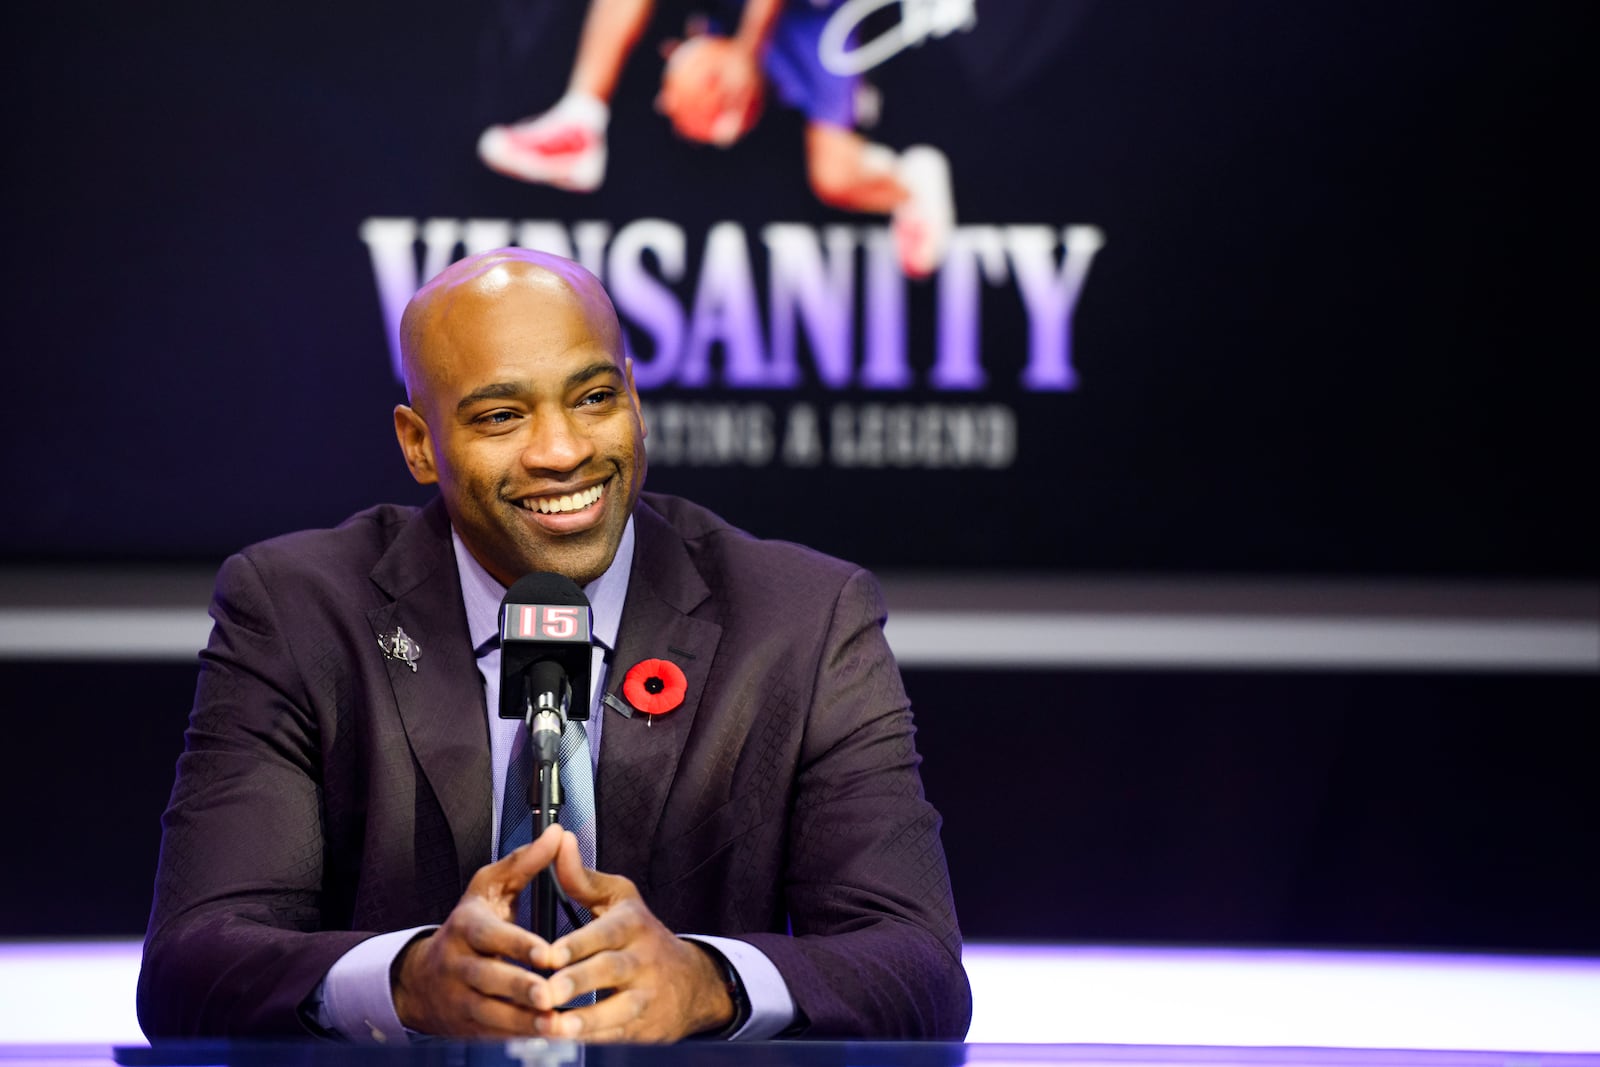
544	618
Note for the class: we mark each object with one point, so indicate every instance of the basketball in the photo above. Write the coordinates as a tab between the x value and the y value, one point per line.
710	90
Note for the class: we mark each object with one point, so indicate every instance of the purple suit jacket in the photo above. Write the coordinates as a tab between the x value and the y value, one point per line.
327	793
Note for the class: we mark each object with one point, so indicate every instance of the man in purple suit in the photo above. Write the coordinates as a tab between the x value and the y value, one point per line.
762	861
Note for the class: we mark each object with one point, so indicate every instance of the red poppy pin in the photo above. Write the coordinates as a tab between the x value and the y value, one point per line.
655	686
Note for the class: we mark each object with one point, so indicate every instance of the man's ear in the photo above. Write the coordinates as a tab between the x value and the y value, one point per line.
633	394
415	444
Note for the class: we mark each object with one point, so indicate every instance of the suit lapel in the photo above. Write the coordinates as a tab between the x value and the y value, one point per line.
639	757
441	702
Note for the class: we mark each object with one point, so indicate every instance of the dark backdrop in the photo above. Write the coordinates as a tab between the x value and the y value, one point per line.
1335	327
1277	808
1336	324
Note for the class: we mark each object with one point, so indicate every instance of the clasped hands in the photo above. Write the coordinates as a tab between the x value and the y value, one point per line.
461	981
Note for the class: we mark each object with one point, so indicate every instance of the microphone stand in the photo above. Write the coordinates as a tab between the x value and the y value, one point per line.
545	721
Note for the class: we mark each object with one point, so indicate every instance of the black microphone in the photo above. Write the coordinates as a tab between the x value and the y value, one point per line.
544	618
546	695
545	657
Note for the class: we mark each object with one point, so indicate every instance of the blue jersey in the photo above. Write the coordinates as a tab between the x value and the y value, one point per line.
793	66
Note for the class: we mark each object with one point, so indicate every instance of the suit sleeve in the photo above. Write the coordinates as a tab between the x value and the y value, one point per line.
235	941
875	950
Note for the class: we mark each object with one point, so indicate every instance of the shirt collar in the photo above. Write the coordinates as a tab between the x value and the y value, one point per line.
482	595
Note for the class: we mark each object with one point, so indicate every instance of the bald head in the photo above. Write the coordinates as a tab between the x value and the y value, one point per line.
523	413
472	287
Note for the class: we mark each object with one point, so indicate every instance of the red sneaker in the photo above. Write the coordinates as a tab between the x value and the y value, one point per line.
924	222
564	147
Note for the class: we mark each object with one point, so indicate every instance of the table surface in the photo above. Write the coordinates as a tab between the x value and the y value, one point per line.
540	1053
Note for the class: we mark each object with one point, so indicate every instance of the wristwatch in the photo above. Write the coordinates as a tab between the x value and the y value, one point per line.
736	994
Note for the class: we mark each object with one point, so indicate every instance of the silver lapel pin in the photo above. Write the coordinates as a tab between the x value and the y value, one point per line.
398	645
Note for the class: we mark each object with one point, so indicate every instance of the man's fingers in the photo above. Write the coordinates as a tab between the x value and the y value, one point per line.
614	931
489	1017
507	876
604	970
497	978
615	1018
469	977
593	889
488	933
612	899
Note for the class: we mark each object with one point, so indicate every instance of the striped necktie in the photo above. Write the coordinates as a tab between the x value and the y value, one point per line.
577	808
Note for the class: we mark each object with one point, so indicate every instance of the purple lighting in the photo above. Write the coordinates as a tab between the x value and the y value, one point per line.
81	993
1229	997
69	992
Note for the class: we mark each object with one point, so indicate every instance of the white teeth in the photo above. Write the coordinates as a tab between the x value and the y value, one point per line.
554	505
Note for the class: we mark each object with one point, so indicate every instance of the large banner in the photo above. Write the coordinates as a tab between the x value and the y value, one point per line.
981	284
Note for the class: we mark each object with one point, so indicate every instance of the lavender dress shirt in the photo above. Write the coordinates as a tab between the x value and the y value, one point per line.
355	999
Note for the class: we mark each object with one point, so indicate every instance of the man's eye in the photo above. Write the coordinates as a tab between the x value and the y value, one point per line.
495	418
599	396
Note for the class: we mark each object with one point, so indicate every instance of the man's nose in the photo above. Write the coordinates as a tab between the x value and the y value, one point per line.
557	442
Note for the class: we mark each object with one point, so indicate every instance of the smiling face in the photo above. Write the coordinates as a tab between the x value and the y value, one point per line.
523	412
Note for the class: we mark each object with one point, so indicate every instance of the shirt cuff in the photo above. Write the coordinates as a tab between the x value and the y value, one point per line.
772	1009
356	998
